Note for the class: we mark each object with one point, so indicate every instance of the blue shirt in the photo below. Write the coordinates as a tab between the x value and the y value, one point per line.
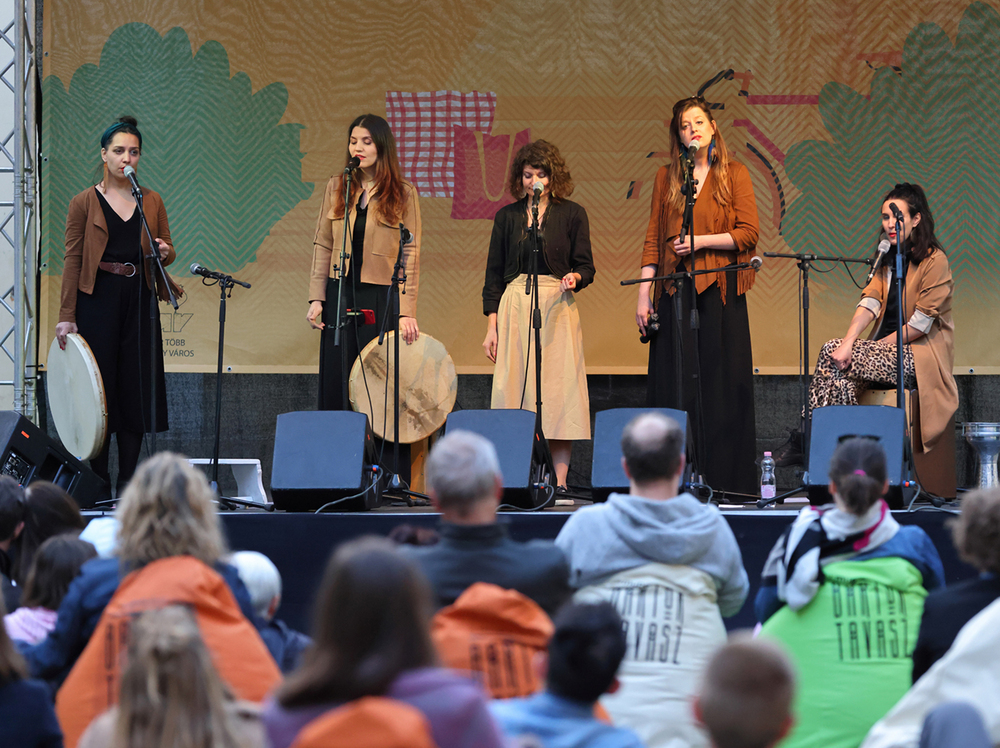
559	723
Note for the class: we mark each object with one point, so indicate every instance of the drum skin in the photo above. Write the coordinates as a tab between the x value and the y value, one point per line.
427	391
76	397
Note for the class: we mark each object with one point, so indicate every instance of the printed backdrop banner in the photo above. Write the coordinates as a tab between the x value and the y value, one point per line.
244	108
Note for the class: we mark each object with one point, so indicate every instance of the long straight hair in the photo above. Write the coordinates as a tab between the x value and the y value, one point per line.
718	159
388	176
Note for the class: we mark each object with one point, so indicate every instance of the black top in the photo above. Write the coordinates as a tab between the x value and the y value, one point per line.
358	241
124	237
945	613
566	234
467	554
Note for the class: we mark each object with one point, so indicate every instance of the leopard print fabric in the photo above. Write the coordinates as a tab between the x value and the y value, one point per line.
871	361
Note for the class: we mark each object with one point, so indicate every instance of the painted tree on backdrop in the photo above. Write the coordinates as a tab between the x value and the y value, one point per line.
212	147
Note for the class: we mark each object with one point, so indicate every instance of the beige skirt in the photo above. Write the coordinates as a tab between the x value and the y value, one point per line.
565	401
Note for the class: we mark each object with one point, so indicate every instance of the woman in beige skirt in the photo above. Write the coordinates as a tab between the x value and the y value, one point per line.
565	266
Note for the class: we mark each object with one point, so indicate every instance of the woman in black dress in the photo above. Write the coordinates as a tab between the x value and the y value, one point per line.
104	297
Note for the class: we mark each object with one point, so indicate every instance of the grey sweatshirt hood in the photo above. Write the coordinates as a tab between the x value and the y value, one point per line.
630	531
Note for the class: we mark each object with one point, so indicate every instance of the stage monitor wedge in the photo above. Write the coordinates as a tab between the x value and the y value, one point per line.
834	423
29	454
606	473
521	456
322	456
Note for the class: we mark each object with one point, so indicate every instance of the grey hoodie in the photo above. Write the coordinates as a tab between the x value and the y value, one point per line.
629	531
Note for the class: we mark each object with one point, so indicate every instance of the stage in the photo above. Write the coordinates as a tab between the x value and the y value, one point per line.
300	544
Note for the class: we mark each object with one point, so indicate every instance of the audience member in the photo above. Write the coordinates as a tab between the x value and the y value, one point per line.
745	699
57	562
843	589
582	662
465	485
263	582
977	538
27	719
165	512
371	638
671	567
11	525
171	694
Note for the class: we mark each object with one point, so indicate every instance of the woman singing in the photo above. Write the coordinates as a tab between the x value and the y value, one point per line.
848	366
380	200
105	294
565	266
725	232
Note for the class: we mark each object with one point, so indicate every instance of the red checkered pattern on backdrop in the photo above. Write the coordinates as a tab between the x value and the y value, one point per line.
422	124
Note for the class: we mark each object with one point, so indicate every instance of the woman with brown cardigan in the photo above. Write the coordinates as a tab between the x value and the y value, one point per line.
105	294
725	232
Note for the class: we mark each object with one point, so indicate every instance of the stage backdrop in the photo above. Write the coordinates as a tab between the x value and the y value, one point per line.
244	107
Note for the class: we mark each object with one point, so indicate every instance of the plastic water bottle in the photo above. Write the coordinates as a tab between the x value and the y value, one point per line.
767	486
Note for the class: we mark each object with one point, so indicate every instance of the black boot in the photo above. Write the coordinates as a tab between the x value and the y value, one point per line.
792	452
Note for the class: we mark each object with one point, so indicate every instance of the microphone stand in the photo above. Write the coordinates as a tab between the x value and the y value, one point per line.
342	277
804	263
154	269
677	279
900	379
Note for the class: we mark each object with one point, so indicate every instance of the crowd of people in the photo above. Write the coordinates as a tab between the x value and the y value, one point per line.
610	635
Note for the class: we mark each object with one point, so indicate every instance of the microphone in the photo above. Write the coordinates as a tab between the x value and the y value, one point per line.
896	212
204	272
537	189
883	248
130	175
404	234
756	263
353	164
693	148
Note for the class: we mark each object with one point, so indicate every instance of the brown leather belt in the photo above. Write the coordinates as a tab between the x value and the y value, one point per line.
118	268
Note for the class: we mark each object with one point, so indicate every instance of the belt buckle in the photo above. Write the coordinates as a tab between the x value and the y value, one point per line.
129	265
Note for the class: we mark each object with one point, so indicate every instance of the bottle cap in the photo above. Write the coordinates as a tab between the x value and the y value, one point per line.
767	454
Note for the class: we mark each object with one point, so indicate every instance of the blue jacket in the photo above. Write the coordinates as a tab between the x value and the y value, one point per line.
27	719
53	657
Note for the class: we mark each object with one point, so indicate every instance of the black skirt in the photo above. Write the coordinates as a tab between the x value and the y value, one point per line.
727	397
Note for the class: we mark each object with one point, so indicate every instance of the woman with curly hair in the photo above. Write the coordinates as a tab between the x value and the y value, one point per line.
379	203
725	233
565	266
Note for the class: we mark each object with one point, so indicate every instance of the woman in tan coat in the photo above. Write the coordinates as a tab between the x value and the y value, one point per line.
380	202
847	366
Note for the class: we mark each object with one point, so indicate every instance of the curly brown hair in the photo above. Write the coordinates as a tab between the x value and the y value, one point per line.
976	532
541	155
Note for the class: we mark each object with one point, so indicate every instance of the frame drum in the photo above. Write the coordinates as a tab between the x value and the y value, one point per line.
76	397
428	387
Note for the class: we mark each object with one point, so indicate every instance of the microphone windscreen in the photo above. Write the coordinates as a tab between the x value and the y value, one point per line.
538	186
195	267
756	262
128	171
354	163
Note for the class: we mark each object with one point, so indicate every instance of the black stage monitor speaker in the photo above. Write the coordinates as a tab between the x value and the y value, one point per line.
834	423
322	456
606	474
29	455
520	453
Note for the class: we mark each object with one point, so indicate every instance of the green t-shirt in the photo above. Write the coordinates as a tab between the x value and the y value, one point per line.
852	647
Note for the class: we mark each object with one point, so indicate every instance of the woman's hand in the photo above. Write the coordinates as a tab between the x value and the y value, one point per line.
490	343
163	247
62	330
682	245
642	311
842	356
569	281
315	315
408	329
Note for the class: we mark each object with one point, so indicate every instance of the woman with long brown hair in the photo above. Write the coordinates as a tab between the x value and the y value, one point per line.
725	233
565	267
379	202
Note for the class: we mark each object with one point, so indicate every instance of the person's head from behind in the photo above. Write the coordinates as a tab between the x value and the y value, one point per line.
48	511
652	449
585	651
858	475
11	510
56	564
171	693
976	532
262	580
463	477
746	693
167	510
371	624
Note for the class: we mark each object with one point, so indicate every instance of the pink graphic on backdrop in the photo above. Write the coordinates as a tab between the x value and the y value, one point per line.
423	123
482	164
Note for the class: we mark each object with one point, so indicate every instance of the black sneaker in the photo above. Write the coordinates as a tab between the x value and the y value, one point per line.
791	453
